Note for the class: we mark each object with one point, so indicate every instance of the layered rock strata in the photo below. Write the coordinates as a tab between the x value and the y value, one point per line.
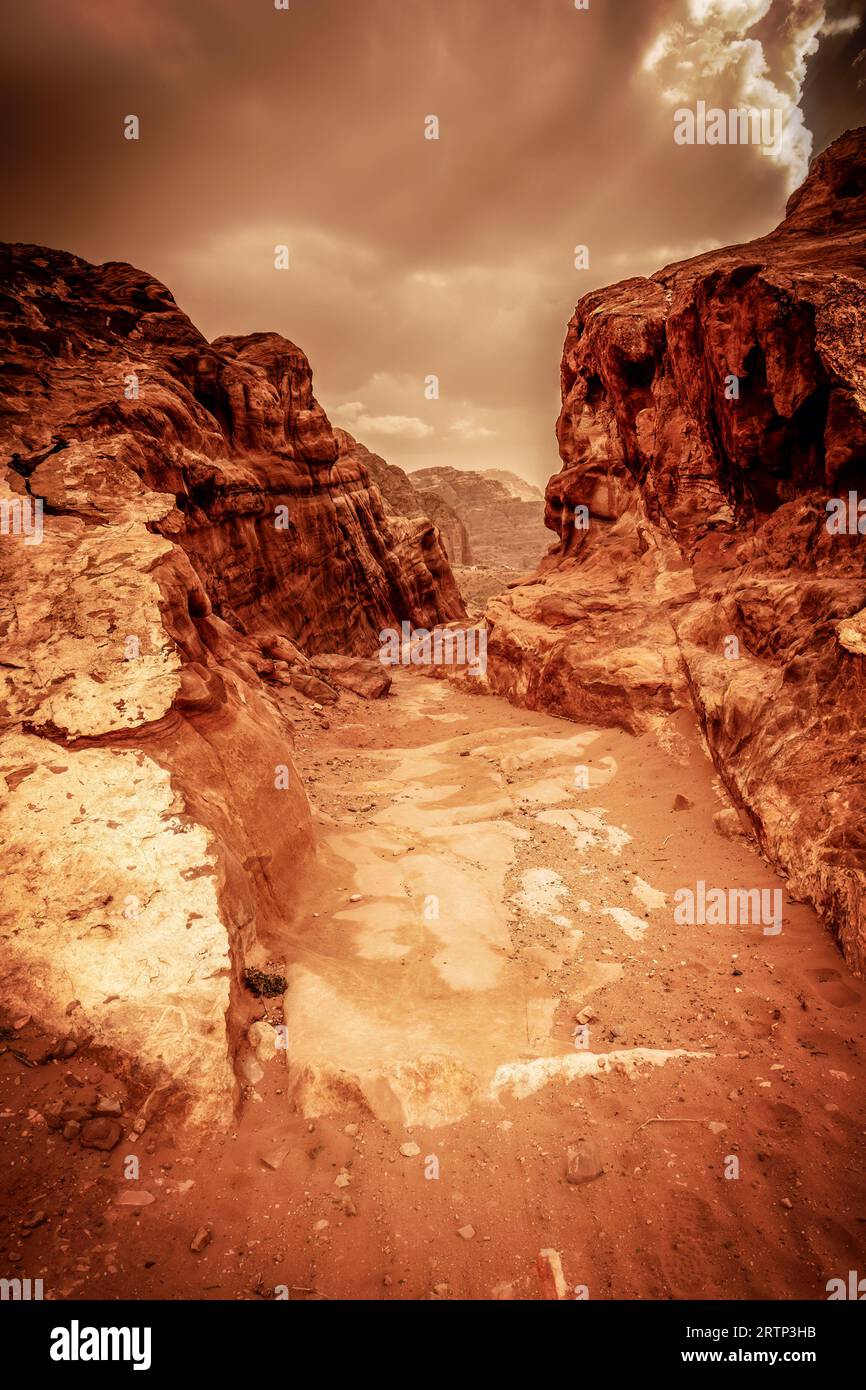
503	520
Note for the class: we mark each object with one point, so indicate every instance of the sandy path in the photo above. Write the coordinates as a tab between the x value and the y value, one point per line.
481	896
471	897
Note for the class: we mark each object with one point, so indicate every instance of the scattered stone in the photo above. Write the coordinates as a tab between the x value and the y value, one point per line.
409	1150
202	1237
586	1015
682	803
275	1156
71	1129
352	1131
582	1164
466	1232
263	1038
716	1127
101	1133
134	1197
342	1179
108	1105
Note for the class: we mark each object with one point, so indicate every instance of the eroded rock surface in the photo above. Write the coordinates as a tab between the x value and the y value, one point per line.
502	514
406	503
200	539
709	414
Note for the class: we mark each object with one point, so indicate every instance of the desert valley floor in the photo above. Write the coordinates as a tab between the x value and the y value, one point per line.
469	901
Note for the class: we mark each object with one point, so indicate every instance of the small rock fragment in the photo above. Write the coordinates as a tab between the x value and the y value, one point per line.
550	1273
108	1105
274	1156
582	1164
134	1197
263	1039
202	1237
101	1133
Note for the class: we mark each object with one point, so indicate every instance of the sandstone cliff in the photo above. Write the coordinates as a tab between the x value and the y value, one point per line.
709	413
505	530
403	500
514	485
198	525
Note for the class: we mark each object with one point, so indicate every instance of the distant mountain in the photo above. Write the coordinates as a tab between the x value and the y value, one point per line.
517	486
505	529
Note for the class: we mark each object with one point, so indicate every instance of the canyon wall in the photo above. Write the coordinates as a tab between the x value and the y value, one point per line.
403	500
709	413
503	520
200	537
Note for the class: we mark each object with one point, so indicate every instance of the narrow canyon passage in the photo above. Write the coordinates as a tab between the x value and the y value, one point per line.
471	899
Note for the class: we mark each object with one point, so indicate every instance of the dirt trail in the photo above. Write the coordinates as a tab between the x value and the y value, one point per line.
471	897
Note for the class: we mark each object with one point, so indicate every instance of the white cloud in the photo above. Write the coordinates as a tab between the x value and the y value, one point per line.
468	430
846	25
353	416
707	54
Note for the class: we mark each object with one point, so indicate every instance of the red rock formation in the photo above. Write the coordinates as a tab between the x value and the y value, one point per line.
421	524
709	413
284	532
403	499
505	530
197	523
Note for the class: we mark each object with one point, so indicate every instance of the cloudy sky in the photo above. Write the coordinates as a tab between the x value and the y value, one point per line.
412	257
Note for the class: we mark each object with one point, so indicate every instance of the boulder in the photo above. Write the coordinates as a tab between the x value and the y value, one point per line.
367	678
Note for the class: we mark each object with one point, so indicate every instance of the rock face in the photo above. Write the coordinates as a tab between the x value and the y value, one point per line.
197	523
420	522
709	414
505	529
514	486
